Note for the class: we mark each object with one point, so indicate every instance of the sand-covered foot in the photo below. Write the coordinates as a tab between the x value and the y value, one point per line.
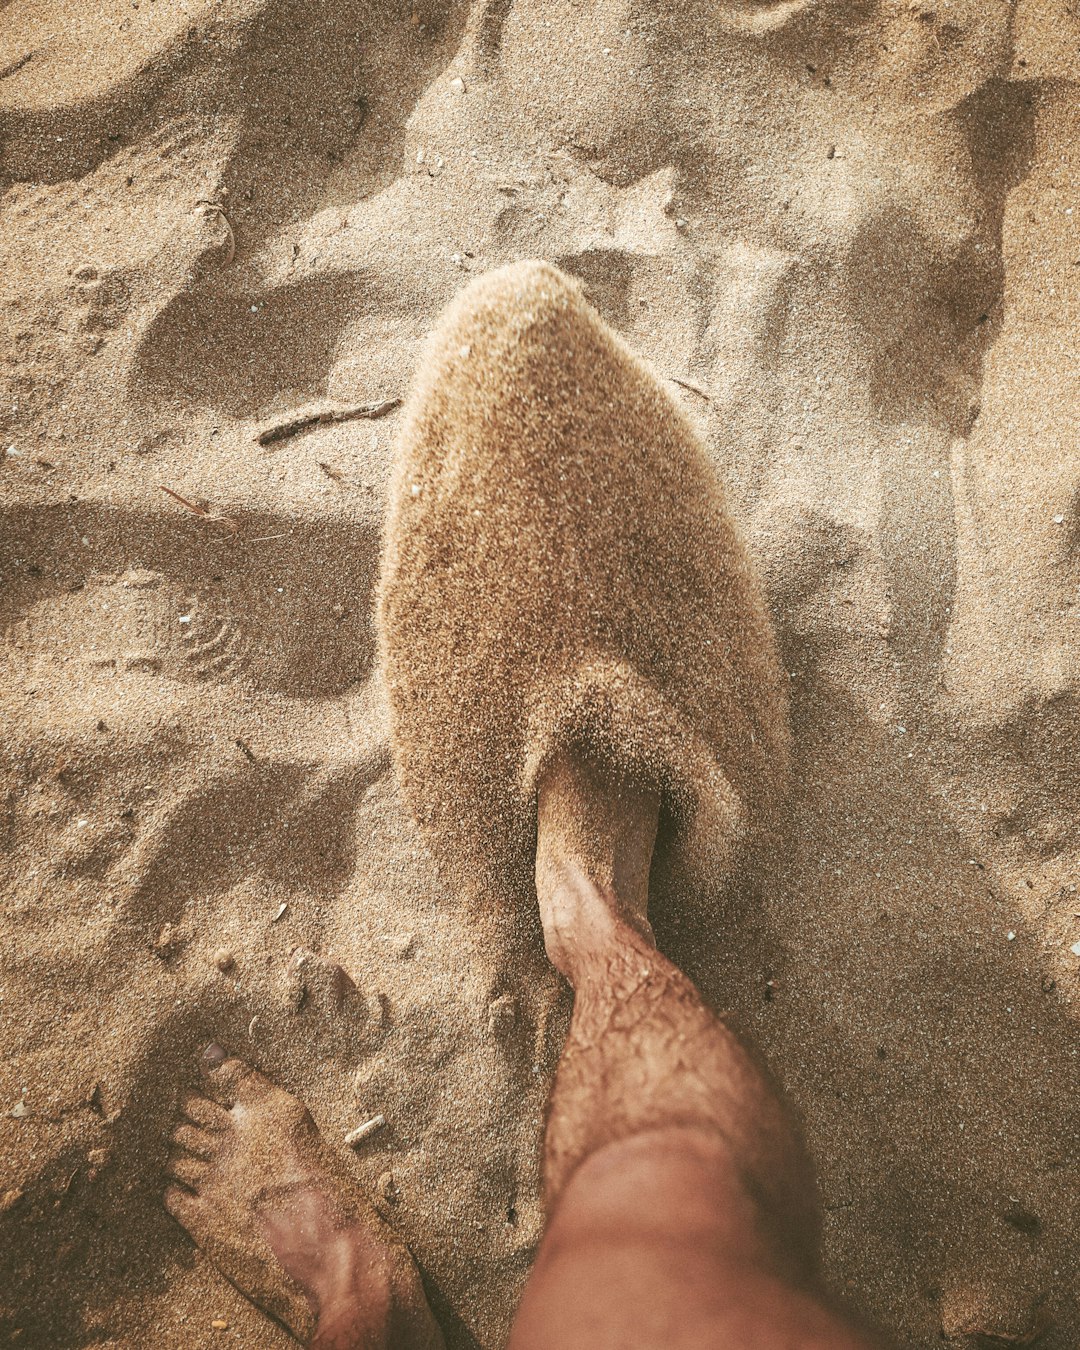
260	1193
561	571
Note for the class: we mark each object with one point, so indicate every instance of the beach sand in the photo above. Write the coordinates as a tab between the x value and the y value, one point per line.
846	240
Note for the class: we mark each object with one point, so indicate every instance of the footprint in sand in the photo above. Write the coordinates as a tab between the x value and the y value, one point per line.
245	624
139	622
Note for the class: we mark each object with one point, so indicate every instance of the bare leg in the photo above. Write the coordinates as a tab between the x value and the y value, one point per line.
682	1209
260	1193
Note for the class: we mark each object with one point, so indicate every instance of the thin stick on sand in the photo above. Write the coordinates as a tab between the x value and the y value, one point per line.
365	1131
203	512
295	426
694	388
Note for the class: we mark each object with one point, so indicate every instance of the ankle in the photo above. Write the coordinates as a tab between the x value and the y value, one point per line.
586	926
601	821
342	1328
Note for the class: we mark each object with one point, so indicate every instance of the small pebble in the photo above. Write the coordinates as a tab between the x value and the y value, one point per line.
387	1189
457	84
224	959
280	912
1075	949
219	1324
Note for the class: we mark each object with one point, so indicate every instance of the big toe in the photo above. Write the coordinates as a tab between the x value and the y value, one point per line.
227	1077
234	1083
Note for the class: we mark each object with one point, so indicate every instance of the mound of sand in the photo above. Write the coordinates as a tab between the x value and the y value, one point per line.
561	569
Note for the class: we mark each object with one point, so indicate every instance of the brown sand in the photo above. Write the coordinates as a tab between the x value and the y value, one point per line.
851	231
561	570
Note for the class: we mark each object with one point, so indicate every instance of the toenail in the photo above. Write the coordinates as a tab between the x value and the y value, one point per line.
214	1055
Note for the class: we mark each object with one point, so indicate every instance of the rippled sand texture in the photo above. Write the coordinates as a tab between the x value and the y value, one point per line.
848	237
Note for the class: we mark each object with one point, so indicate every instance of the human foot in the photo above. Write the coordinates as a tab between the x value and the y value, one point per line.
264	1198
595	835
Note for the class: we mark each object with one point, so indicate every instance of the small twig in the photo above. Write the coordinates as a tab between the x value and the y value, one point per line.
280	431
203	512
331	473
694	388
17	65
191	506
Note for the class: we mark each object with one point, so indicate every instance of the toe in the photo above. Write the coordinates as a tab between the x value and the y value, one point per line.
182	1205
201	1143
205	1112
191	1171
224	1076
239	1087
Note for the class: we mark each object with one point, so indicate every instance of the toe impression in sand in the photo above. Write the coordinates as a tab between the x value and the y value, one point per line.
561	571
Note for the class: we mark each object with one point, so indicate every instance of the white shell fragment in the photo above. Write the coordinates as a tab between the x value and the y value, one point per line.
365	1131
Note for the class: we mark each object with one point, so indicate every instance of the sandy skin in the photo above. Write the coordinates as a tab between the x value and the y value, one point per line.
259	1191
681	1207
256	1188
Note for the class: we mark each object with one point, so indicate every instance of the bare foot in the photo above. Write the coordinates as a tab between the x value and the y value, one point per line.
595	837
265	1199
